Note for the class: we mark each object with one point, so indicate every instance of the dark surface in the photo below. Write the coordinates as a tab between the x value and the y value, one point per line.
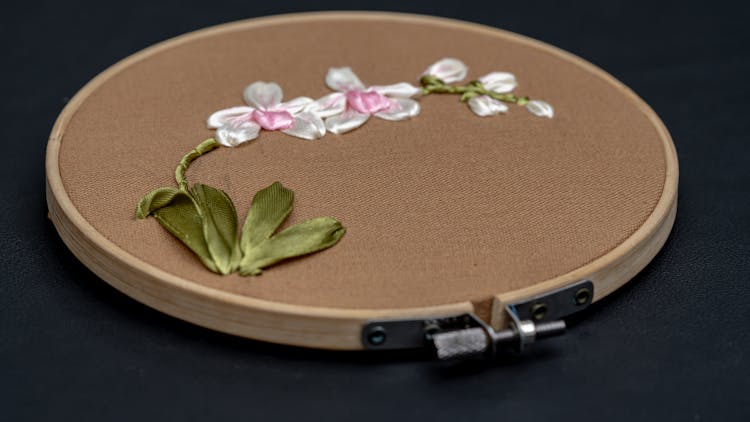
673	344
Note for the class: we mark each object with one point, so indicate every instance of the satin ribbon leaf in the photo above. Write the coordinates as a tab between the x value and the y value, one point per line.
270	207
301	239
182	218
219	225
154	200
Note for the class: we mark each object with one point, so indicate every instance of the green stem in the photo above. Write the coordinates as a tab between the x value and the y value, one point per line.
179	173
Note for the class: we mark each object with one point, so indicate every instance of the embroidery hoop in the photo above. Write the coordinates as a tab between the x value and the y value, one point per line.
320	326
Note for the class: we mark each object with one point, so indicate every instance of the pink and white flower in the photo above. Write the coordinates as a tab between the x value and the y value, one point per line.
265	110
353	103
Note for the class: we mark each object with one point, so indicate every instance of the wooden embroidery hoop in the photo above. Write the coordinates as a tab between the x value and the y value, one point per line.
331	327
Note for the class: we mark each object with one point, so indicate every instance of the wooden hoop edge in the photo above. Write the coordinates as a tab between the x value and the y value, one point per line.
321	327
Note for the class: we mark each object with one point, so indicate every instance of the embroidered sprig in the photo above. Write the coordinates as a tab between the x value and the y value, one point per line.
486	96
205	219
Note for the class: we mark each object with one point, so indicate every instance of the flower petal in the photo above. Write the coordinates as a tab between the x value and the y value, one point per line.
402	109
263	95
296	105
328	105
399	90
500	82
343	79
540	108
307	126
484	105
448	70
273	119
221	117
367	102
234	133
346	121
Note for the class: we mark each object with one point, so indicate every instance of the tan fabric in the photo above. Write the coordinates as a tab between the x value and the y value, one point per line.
443	208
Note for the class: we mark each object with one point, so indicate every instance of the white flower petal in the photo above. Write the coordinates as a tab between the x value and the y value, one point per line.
448	70
343	79
500	82
540	108
296	105
221	117
232	134
346	121
307	126
399	90
487	106
328	105
263	95
403	109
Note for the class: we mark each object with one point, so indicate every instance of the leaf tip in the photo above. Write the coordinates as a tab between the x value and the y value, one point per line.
278	186
338	232
141	210
251	271
224	270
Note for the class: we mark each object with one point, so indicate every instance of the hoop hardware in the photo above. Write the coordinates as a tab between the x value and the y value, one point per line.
466	335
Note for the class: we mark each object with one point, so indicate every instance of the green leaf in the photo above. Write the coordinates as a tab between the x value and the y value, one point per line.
219	220
270	207
154	200
301	239
183	219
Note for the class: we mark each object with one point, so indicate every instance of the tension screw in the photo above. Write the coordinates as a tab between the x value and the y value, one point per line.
376	336
582	296
538	311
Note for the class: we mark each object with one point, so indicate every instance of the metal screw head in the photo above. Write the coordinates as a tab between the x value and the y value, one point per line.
430	330
538	311
582	297
376	336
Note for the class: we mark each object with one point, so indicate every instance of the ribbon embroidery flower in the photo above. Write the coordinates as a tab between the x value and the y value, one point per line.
265	110
448	70
352	104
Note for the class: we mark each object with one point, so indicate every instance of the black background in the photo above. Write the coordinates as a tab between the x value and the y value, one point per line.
673	344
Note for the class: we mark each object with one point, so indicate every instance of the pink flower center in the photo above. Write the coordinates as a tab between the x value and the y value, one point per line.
273	120
367	102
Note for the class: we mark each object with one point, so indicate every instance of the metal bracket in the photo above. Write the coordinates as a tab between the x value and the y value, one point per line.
556	304
467	335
